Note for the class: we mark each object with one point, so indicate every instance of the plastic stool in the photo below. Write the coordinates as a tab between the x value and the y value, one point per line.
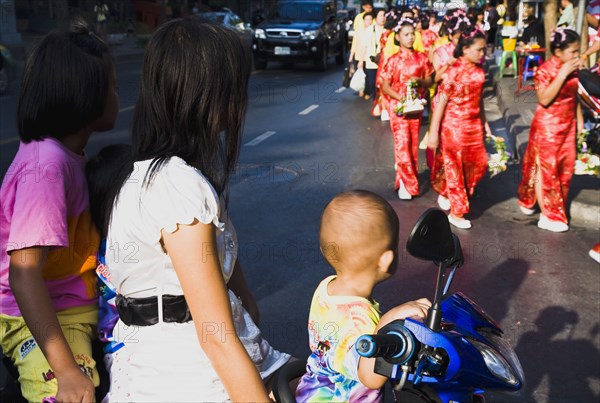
529	72
505	54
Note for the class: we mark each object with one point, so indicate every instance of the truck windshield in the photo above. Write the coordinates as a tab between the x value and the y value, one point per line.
299	11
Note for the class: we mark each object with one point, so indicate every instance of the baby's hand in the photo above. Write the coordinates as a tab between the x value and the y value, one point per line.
415	309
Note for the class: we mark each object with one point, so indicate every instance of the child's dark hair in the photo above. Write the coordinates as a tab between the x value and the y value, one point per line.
424	19
391	18
562	38
193	97
467	38
105	173
65	84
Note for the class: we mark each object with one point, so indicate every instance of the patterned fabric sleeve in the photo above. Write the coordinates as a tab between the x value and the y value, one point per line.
388	69
360	319
543	77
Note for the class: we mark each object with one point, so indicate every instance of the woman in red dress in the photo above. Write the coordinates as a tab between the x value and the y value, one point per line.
405	66
460	114
550	156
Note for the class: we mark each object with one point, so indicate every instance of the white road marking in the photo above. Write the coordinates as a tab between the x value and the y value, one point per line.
341	89
127	108
309	109
260	139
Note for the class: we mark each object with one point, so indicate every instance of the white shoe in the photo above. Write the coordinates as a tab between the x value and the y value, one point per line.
443	202
554	226
462	223
527	211
403	193
385	116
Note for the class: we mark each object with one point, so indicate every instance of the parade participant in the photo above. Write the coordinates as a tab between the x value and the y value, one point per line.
358	26
459	119
192	333
405	67
549	160
388	48
359	238
443	56
360	44
428	35
48	294
372	53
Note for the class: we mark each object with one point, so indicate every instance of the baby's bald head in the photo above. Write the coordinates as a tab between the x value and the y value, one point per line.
356	228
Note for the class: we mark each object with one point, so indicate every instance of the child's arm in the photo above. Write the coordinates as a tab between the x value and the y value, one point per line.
366	366
239	286
547	94
199	272
27	284
389	91
486	125
579	116
433	138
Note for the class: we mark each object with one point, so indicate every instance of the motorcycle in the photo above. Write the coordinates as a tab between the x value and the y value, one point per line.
453	356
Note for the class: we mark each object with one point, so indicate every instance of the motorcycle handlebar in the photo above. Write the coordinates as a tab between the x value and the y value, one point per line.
390	345
394	343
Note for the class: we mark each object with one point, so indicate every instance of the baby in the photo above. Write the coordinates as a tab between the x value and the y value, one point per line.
359	239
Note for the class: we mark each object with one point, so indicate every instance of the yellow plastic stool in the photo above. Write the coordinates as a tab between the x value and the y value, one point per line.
505	55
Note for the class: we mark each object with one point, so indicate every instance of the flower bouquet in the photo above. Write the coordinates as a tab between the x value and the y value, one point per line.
498	160
410	103
587	163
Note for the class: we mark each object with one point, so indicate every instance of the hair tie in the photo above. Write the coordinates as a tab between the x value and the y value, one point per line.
562	31
403	21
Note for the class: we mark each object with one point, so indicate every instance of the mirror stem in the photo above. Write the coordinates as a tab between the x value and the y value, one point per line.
434	316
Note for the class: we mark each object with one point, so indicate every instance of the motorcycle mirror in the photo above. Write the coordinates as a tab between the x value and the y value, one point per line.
431	238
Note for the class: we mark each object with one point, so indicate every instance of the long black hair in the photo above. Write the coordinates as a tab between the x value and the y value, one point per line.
65	83
105	174
192	99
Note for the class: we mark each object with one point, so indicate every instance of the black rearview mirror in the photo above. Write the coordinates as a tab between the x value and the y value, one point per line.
431	237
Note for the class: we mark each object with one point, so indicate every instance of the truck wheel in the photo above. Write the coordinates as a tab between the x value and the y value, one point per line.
260	64
321	62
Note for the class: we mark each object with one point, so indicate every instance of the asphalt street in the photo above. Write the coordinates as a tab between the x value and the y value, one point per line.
305	140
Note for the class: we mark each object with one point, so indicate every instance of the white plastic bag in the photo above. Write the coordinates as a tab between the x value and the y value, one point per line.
358	80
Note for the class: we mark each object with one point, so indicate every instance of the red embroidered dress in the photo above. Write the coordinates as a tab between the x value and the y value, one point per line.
401	67
551	145
463	160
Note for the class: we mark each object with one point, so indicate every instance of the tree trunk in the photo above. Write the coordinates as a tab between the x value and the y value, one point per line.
550	20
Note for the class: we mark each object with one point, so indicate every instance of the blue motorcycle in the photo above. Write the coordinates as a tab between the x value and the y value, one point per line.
454	356
458	352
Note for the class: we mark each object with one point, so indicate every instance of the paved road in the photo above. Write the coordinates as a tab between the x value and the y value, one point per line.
304	141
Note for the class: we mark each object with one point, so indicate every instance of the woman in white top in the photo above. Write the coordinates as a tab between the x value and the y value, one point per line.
171	249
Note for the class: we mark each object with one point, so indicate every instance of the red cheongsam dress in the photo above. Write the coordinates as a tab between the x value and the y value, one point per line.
401	67
463	161
381	99
551	145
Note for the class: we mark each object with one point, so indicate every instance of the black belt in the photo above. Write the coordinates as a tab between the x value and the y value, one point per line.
144	311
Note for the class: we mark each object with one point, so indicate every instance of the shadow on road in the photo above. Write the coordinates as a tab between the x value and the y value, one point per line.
550	351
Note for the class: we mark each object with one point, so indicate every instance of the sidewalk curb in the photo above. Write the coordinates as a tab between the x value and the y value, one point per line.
581	213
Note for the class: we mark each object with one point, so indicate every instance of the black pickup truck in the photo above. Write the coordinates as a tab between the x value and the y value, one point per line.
300	31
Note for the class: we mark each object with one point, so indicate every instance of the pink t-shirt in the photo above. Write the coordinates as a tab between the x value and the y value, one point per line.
44	202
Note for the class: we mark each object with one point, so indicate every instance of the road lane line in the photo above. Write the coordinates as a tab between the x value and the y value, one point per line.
309	109
16	139
260	139
341	89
